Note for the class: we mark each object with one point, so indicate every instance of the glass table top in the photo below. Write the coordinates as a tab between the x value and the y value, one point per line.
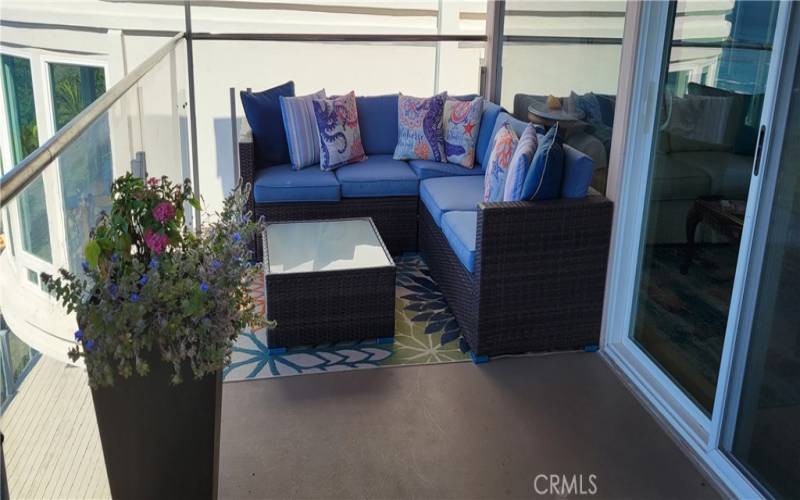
298	247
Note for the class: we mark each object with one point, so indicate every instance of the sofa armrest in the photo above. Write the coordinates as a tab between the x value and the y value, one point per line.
547	254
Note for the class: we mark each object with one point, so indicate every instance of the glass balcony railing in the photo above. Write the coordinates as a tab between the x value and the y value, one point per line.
138	125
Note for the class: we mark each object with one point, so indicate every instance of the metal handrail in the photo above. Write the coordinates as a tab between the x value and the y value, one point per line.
12	183
337	37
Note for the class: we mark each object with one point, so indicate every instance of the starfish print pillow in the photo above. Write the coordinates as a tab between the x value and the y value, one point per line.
461	123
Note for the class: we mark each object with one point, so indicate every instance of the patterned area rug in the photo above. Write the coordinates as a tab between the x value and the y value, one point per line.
425	332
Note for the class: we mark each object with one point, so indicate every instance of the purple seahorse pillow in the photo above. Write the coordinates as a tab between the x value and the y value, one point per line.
419	131
462	120
339	134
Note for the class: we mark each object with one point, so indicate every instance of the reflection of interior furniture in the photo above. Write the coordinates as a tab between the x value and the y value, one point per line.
705	147
725	217
325	289
590	134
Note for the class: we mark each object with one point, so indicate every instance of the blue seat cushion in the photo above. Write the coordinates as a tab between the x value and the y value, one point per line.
377	119
425	169
447	194
460	229
263	112
377	176
281	183
489	117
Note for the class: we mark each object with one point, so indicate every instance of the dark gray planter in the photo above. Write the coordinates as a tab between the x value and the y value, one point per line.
161	440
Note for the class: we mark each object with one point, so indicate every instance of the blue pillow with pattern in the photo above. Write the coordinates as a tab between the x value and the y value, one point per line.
520	164
419	131
503	147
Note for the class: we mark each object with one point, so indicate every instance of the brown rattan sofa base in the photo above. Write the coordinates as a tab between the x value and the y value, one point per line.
539	275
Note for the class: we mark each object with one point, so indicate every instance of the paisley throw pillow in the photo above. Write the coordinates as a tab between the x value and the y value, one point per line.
339	134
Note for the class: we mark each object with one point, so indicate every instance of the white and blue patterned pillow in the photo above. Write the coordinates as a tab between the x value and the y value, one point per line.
520	164
419	130
339	133
302	134
503	147
462	120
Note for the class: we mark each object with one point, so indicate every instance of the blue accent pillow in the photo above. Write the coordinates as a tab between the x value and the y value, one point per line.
520	164
578	170
263	112
302	133
543	181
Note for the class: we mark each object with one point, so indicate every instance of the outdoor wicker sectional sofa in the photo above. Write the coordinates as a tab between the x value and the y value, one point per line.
519	276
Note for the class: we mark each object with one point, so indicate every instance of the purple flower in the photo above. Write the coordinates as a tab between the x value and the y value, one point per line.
134	297
114	257
237	237
204	287
153	263
85	266
157	242
164	211
215	264
88	345
79	335
143	280
112	290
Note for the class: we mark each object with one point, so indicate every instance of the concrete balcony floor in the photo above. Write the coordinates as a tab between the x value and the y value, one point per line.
448	431
436	431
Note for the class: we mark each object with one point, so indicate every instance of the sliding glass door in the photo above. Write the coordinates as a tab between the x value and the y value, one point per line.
712	92
765	438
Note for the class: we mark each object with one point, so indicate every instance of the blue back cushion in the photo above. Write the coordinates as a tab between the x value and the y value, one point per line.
543	181
578	170
263	112
490	112
377	119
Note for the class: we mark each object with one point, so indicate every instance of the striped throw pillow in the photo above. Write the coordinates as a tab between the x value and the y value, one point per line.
302	133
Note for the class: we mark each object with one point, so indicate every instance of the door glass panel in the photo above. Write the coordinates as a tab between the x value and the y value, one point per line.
710	108
767	437
24	139
85	166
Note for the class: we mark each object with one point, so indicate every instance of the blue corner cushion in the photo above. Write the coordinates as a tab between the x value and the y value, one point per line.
502	117
578	170
543	181
263	112
488	119
281	183
460	229
377	176
426	169
447	194
377	120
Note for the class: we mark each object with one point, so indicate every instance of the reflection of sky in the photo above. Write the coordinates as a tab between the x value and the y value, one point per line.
746	70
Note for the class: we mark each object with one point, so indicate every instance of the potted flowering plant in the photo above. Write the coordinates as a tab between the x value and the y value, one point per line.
159	307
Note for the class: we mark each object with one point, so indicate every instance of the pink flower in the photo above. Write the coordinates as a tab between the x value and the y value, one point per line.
157	242
152	182
164	211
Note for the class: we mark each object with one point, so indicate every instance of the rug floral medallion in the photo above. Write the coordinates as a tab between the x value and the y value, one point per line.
426	332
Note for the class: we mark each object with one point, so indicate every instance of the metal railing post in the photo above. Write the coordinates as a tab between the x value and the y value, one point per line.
187	11
495	18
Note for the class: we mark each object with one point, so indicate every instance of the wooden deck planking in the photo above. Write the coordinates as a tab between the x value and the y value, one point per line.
52	444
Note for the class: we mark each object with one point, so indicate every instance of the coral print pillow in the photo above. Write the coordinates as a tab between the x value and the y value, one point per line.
419	131
461	122
339	134
505	142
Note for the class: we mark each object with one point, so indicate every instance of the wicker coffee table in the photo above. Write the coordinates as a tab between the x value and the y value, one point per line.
327	281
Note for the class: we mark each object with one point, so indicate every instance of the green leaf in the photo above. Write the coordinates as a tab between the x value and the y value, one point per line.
92	253
193	201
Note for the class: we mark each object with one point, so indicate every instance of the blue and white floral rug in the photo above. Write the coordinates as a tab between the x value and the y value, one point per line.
425	332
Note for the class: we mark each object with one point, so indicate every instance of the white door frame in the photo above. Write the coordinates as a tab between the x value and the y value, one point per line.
629	170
